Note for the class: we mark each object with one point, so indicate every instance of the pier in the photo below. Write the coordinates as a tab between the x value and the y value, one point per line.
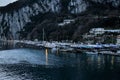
29	44
101	49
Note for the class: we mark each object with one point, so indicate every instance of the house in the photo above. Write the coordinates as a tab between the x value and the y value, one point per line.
113	31
118	39
66	21
97	31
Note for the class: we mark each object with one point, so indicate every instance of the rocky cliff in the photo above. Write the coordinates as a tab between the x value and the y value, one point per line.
15	16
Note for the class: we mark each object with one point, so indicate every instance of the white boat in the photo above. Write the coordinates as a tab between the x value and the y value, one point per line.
106	52
66	48
118	52
54	49
50	45
93	53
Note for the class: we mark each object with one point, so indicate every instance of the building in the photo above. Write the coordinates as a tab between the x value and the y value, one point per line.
66	21
97	31
118	39
113	31
101	35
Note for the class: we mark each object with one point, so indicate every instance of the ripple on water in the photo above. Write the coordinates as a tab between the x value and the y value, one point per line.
27	56
26	64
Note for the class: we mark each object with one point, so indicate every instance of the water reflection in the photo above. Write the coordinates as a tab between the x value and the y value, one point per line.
7	45
31	64
46	56
112	61
99	62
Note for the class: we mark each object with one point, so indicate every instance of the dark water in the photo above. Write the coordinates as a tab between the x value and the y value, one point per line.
28	64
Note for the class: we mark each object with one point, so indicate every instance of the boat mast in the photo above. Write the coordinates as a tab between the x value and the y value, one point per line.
43	34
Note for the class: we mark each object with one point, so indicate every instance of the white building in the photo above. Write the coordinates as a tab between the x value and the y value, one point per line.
113	31
66	21
97	31
118	39
102	31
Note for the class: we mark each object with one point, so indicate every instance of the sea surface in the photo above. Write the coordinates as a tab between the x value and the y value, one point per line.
32	64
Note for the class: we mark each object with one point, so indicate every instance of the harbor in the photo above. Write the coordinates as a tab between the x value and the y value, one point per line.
59	39
32	64
80	48
27	59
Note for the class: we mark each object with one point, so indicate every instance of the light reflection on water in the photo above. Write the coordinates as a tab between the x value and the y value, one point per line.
28	56
28	64
46	54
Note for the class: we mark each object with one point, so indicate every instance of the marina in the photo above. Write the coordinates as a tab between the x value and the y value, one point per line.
104	49
59	39
39	64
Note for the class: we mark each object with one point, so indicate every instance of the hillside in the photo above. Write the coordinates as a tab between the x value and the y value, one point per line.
25	19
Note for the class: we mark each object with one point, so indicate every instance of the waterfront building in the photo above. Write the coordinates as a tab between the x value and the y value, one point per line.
101	35
97	31
118	39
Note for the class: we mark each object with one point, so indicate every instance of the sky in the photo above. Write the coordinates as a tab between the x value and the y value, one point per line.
6	2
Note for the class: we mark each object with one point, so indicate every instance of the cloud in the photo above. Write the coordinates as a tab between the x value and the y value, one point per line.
5	2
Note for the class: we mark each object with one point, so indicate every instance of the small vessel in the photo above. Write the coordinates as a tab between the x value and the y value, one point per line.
55	49
93	53
66	48
118	52
106	52
50	45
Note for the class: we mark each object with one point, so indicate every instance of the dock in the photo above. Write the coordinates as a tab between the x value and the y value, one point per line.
102	49
29	44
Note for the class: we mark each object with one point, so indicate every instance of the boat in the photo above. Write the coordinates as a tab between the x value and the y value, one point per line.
50	45
106	52
55	49
66	48
92	53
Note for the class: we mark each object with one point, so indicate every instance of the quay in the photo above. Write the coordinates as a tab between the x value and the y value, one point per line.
102	49
29	44
110	53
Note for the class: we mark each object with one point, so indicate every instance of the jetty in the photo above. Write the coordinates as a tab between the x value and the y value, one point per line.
102	49
29	44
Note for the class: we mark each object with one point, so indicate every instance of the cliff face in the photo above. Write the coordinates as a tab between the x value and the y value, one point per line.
15	19
14	16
